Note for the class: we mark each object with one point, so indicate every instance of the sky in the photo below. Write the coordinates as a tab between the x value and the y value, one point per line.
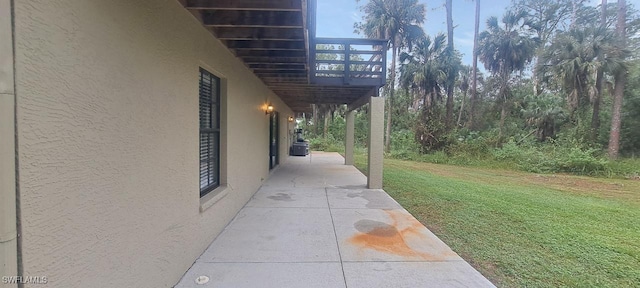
335	18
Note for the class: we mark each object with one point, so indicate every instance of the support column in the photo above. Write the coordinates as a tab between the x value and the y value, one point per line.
376	139
349	139
8	231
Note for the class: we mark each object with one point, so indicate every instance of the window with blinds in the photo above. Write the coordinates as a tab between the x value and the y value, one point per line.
209	132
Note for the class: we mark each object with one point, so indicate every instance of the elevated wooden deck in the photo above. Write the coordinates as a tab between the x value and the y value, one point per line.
276	40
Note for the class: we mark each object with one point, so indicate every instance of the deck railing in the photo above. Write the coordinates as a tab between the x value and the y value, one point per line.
345	61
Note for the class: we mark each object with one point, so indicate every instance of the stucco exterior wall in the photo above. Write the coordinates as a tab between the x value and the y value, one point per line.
107	115
8	224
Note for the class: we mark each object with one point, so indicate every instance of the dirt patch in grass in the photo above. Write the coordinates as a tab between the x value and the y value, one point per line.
591	187
572	182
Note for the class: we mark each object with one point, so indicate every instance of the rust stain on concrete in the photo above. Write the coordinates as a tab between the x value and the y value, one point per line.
391	239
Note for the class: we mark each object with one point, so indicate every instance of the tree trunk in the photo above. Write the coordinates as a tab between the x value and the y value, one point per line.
474	76
325	128
595	118
333	114
315	119
451	77
449	24
425	98
504	93
616	121
387	140
574	13
620	80
503	115
464	96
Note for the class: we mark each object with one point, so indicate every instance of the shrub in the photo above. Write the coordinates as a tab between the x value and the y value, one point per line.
552	158
475	148
404	140
438	157
509	151
582	162
627	168
404	155
431	131
328	144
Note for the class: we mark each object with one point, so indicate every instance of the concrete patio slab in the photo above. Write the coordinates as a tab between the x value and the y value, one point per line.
291	197
412	274
386	235
236	275
313	223
360	199
302	172
276	235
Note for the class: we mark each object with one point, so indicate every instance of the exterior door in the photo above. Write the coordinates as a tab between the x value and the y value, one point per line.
273	140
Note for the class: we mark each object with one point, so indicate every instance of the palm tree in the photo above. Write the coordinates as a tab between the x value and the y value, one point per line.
543	112
505	49
620	80
595	118
573	59
464	87
396	20
474	71
452	69
544	18
423	70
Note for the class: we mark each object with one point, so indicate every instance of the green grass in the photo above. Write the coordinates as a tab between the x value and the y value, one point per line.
531	157
526	230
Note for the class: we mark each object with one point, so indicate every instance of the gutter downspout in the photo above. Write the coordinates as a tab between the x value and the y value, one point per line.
8	192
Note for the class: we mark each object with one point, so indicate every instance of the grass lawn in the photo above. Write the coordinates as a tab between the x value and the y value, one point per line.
526	230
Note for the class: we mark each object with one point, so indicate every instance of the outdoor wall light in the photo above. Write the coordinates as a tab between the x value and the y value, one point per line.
268	109
290	119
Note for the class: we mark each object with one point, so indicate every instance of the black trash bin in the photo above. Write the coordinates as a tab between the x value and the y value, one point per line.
299	147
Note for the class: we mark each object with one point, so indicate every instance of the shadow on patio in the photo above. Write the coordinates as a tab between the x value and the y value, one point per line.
314	224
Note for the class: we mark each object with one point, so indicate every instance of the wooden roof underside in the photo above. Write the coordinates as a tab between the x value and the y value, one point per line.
273	38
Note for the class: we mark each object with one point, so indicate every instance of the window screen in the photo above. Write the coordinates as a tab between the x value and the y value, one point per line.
209	132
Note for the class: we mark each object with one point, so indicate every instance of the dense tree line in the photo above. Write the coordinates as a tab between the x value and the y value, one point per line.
555	71
552	67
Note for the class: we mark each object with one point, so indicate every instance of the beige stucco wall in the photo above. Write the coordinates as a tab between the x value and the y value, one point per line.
107	97
8	227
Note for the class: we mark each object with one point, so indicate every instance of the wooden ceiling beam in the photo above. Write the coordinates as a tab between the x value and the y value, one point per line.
309	31
267	53
279	72
283	79
234	18
252	64
292	82
286	73
278	66
250	5
264	33
274	60
265	45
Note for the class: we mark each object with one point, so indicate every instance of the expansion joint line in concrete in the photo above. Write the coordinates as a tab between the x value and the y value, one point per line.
335	234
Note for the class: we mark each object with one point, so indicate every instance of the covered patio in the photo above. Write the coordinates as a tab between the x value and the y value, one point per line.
277	41
317	221
314	223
